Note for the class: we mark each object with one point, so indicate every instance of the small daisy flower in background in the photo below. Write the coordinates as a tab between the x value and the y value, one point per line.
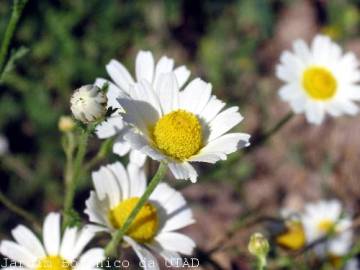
4	145
66	124
324	218
320	79
117	191
54	254
180	127
122	82
88	104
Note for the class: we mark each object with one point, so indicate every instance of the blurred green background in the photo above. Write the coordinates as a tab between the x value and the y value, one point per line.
232	44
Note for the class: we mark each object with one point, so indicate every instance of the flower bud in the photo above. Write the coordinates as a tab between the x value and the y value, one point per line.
88	104
258	245
66	124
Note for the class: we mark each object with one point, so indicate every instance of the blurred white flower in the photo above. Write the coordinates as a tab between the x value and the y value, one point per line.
145	68
180	127
88	103
323	218
319	79
117	191
4	145
54	253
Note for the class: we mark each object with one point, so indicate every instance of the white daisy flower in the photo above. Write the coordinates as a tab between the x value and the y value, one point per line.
180	127
117	191
319	79
122	82
321	218
54	253
88	103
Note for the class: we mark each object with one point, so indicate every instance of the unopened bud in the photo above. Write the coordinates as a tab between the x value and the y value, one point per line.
88	104
66	124
258	245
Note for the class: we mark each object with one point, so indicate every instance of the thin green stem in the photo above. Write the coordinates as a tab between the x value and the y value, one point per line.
19	211
261	263
15	16
73	176
268	134
118	235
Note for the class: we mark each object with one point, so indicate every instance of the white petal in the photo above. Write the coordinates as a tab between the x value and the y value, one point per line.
90	259
68	243
26	238
51	233
173	258
143	92
226	144
144	66
120	174
121	147
302	50
18	253
176	242
223	122
165	65
314	112
140	114
137	157
110	127
139	143
182	75
84	237
106	186
146	258
168	92
137	180
97	210
120	75
208	157
212	108
195	96
183	171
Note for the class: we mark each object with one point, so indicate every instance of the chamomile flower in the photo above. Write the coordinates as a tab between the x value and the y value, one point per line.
323	218
319	79
122	82
180	127
117	191
54	253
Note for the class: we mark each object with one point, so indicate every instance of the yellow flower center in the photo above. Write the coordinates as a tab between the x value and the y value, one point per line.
319	83
294	237
144	227
325	226
178	134
54	263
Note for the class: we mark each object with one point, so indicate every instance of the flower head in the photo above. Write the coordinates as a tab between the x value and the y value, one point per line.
54	253
180	126
319	79
117	191
325	218
122	82
258	245
88	104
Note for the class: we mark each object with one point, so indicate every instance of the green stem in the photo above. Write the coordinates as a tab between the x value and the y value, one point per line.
268	134
118	235
19	211
261	263
73	176
15	16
